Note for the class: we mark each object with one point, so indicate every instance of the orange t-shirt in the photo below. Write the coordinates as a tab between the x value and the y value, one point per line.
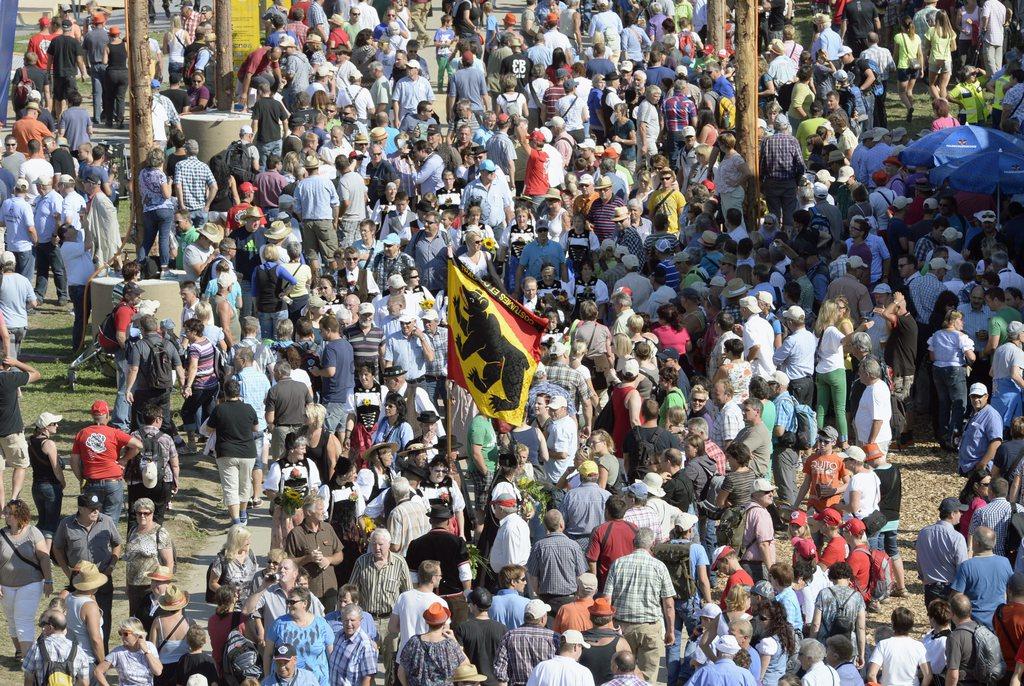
825	471
574	615
27	129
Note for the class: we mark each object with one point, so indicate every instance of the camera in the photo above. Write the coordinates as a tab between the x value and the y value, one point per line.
272	577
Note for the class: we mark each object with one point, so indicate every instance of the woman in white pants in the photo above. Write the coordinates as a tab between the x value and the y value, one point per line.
24	574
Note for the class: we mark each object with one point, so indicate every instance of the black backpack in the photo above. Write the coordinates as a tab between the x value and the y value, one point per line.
239	163
151	452
56	673
842	624
241	661
159	370
646	455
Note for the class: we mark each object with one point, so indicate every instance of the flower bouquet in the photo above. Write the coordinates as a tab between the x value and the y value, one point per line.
489	244
367	525
534	492
427	304
290	500
476	558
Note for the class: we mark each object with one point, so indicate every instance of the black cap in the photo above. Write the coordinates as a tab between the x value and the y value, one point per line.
951	505
90	500
440	510
91	177
413	469
284	651
66	24
428	417
391	372
668	354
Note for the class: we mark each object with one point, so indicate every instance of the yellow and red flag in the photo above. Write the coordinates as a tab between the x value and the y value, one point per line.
493	345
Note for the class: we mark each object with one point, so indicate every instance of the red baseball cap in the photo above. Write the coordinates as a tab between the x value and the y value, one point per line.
247	188
805	548
797	518
709	184
44	21
829	516
100	407
854	526
721	553
537	136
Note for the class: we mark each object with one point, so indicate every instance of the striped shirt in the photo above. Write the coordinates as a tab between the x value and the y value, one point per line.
379	587
202	351
600	216
365	346
556	560
636	585
521	650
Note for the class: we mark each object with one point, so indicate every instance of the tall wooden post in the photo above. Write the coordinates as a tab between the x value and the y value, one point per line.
140	103
745	43
716	23
225	76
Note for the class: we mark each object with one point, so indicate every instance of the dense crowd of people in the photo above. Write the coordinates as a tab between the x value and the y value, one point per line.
705	487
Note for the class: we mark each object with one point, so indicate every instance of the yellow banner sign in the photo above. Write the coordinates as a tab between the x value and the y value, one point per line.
245	29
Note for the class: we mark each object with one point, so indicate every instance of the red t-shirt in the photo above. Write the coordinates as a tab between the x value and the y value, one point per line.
122	317
38	44
737	578
609	542
860	561
98	447
255	62
835	551
536	182
233	213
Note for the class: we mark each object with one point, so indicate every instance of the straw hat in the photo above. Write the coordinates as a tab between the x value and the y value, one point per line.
337	20
735	288
467	673
174	598
88	577
161	573
277	231
621	214
377	447
214	232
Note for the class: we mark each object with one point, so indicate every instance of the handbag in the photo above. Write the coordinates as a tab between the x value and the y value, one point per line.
874	522
600	361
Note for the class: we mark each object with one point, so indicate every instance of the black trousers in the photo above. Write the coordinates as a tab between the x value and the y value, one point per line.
114	88
803	390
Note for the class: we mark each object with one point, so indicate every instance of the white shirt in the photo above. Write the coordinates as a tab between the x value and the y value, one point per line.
512	544
409	609
33	170
757	331
820	675
830	351
563	437
875	404
935	649
870	489
899	657
560	671
809	593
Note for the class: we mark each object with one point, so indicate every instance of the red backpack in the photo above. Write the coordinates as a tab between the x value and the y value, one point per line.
22	88
880	578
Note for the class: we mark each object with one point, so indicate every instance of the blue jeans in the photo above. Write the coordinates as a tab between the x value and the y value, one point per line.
97	73
198	217
157	222
77	295
951	390
25	263
672	658
708	529
268	149
268	320
111	494
48	258
47	497
122	410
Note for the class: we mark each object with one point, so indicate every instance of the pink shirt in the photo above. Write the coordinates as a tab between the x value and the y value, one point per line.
759	530
670	338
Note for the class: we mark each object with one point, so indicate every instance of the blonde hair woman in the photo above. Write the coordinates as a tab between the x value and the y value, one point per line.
941	41
324	447
135	660
175	41
636	324
234	566
833	330
951	350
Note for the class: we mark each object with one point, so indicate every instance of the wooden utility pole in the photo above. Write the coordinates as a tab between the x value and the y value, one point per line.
140	103
745	43
225	75
716	23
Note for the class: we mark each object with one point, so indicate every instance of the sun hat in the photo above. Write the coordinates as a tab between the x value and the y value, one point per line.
174	598
653	481
735	288
47	418
161	573
436	614
467	673
602	607
87	576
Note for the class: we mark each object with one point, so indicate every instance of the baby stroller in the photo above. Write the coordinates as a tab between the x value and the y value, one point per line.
92	357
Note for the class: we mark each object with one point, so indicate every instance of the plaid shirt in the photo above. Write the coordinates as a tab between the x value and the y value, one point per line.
924	292
781	158
626	680
996	516
728	423
636	585
571	380
680	112
718	455
644	516
255	386
630	239
173	118
521	650
58	646
190	24
193	175
556	560
439	341
353	658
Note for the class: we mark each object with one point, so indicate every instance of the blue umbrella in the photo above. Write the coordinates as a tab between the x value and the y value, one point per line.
989	171
960	141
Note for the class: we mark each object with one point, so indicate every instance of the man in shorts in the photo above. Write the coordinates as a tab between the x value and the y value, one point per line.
13	447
